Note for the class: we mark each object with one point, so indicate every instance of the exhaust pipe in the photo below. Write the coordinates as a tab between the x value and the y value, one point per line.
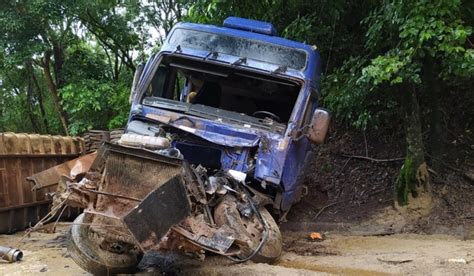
10	254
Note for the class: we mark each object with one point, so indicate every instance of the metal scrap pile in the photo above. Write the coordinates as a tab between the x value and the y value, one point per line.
138	199
94	138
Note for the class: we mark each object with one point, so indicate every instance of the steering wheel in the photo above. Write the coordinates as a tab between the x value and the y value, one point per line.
262	114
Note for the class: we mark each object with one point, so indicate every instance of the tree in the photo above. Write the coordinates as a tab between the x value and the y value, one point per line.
162	15
425	45
37	32
48	43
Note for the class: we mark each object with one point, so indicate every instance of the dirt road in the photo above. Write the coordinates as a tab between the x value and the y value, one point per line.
338	254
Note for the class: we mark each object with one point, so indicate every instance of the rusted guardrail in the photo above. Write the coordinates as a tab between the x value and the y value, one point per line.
22	155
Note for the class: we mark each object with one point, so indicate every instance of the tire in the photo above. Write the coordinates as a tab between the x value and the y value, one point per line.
90	257
273	248
227	213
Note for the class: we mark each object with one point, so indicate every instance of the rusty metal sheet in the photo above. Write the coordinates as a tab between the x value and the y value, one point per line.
73	168
22	155
157	213
20	144
127	172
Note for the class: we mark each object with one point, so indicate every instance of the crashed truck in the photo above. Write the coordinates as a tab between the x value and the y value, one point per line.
221	124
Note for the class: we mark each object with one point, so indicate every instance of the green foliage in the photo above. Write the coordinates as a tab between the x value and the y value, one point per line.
402	36
302	28
393	68
95	104
368	49
420	30
215	11
353	101
86	49
85	62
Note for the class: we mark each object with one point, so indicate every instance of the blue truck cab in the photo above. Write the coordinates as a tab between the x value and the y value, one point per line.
235	98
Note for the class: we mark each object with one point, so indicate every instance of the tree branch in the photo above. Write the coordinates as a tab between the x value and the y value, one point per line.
373	159
125	57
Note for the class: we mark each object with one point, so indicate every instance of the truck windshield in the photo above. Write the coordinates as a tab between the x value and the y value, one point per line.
197	87
240	47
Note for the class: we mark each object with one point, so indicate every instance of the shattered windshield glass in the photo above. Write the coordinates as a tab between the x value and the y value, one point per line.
221	92
241	47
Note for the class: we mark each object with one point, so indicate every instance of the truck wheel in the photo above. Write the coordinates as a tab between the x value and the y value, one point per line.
90	257
272	249
248	229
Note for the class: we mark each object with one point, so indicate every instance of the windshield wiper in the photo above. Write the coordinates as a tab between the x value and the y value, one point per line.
280	69
183	118
240	61
212	54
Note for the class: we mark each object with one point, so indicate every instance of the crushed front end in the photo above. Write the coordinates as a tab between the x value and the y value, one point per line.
137	200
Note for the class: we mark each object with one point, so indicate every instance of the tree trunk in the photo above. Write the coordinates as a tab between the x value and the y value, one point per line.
414	177
54	92
39	94
433	91
30	108
40	101
58	54
116	69
2	104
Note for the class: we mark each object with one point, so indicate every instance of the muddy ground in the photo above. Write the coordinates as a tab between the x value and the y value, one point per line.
339	253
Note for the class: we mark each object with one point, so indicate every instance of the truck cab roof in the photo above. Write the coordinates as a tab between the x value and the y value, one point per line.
258	31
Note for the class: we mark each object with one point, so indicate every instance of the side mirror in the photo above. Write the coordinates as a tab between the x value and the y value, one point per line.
319	126
136	78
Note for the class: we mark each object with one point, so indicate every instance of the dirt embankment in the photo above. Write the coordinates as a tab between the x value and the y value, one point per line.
351	187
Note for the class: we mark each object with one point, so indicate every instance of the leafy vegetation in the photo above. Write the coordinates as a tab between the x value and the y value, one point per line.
66	66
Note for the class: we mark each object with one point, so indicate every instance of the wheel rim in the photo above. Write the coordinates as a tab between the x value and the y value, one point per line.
89	256
250	231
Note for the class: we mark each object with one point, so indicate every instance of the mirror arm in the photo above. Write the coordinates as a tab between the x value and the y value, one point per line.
298	134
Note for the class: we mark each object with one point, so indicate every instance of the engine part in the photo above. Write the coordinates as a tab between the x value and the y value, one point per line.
143	128
136	140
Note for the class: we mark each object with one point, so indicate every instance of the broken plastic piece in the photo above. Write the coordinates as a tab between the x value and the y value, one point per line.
316	236
216	184
239	176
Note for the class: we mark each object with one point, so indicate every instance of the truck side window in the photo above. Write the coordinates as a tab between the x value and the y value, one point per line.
157	85
180	86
